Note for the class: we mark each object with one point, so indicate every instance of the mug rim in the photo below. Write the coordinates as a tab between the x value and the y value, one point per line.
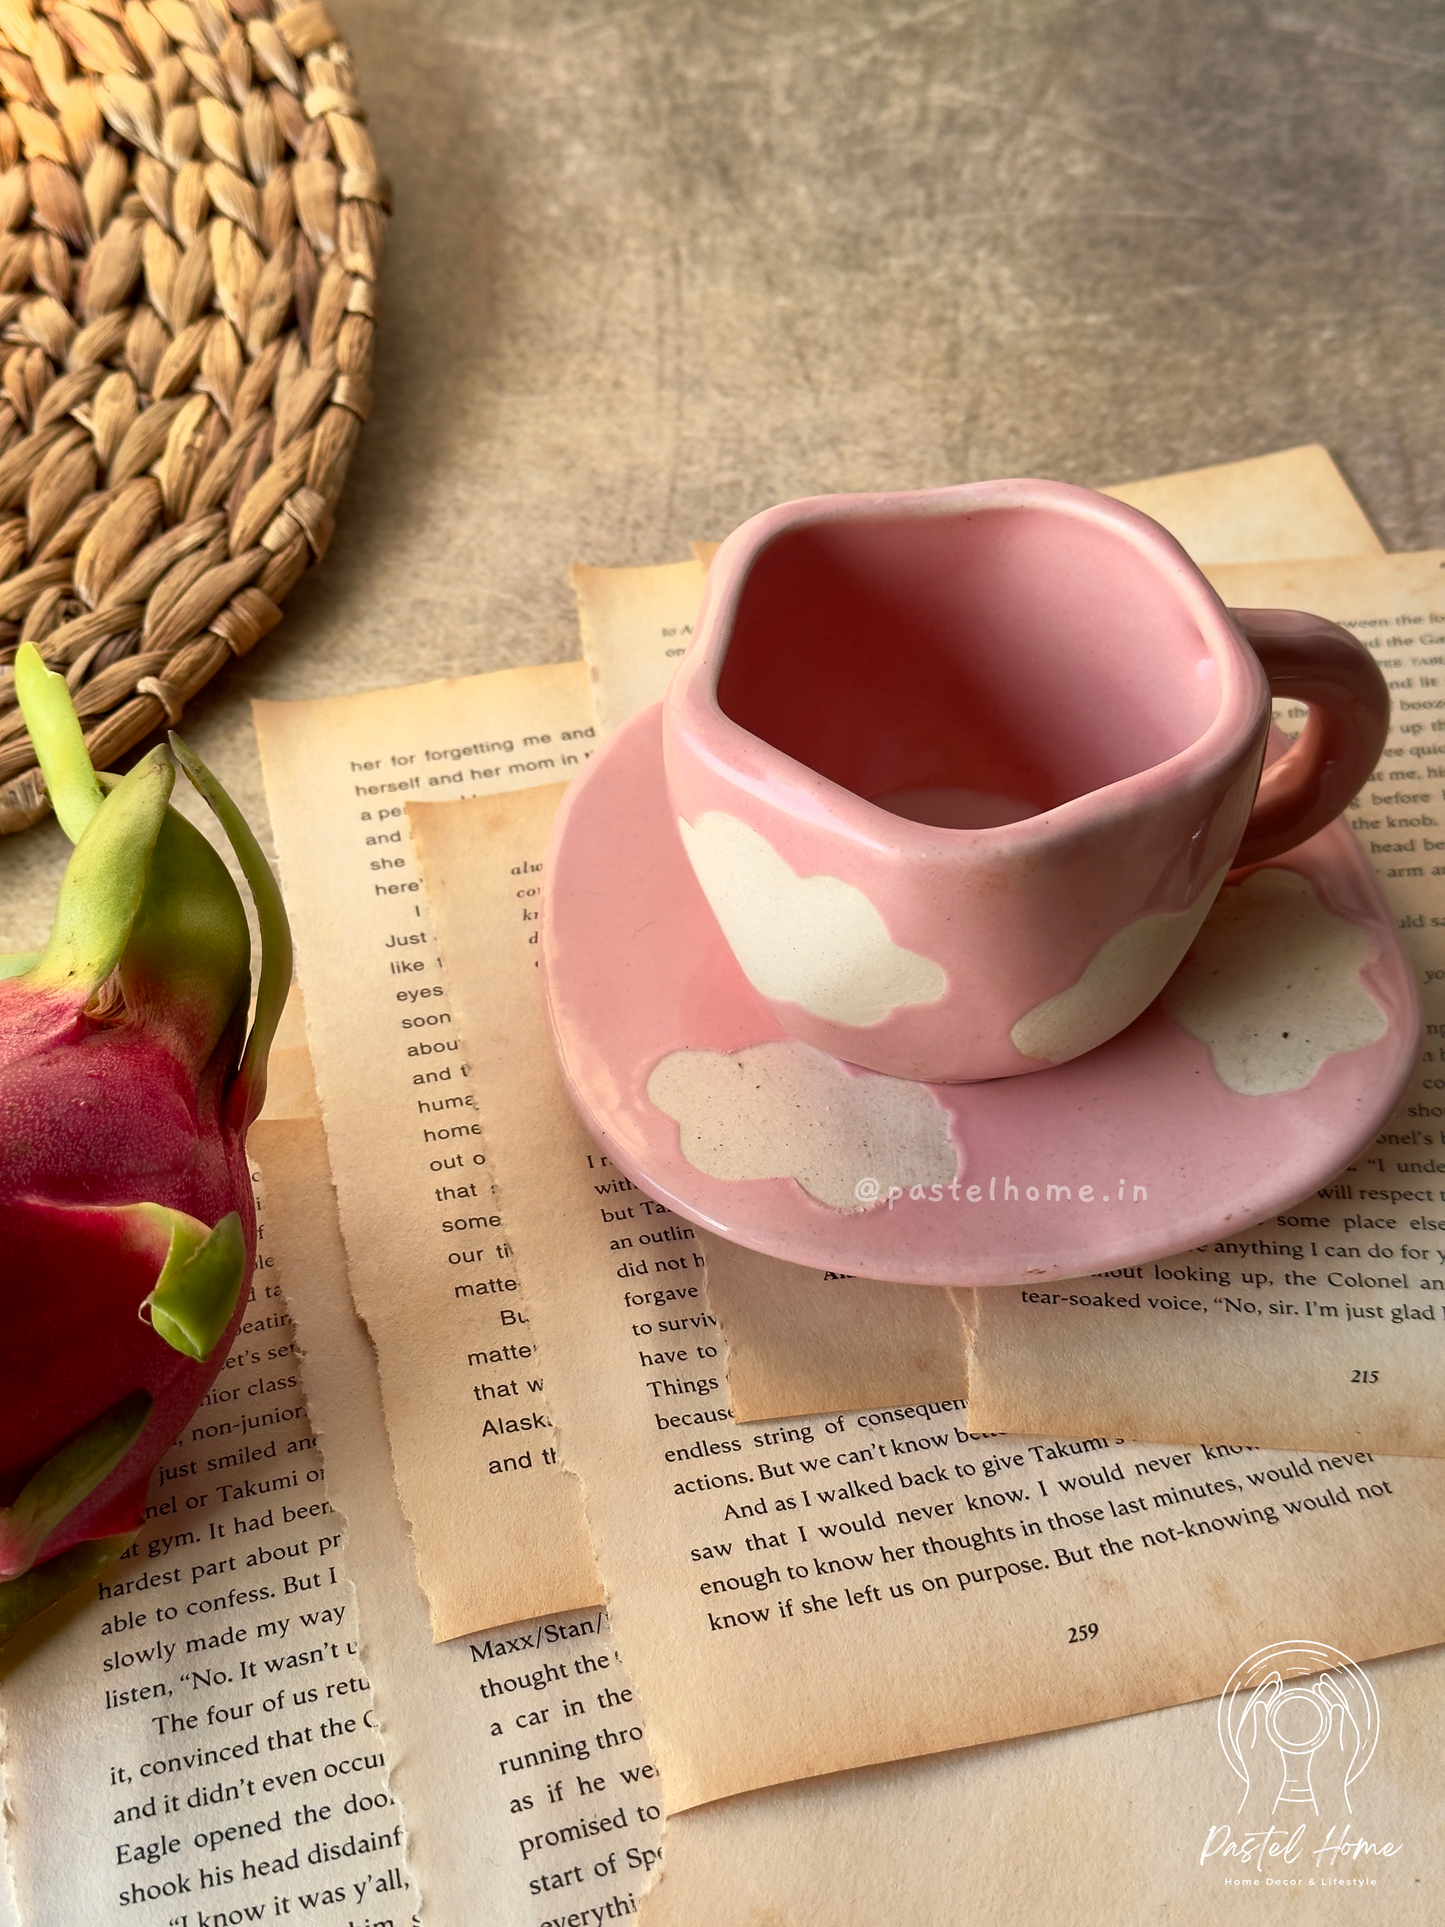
749	760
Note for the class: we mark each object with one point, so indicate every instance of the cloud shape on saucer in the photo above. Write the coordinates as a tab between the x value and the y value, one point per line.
813	941
1273	987
785	1110
1121	979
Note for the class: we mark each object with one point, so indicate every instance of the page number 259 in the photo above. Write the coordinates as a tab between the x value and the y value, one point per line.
1078	1634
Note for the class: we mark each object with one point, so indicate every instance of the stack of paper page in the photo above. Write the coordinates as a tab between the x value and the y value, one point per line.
743	1649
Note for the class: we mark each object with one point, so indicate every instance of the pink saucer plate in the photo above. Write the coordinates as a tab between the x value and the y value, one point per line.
1135	1151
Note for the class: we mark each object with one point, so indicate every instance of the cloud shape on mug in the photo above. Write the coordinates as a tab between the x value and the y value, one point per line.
1122	978
1272	985
817	941
785	1110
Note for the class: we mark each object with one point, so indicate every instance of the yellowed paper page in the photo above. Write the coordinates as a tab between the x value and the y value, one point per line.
795	1337
636	625
1294	503
1323	1328
794	1599
511	1748
429	1263
194	1737
899	1843
1131	1822
291	1085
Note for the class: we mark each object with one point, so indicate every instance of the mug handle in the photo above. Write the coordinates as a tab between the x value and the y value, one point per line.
1312	661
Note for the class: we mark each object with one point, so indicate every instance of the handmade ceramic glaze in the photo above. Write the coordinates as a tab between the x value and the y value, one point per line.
961	772
1277	1050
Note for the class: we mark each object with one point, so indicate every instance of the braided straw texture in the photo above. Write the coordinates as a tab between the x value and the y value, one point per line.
191	228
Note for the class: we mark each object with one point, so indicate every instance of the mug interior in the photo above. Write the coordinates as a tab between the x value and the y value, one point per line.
968	669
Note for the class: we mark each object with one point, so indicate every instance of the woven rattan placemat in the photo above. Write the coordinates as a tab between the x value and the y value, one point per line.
191	228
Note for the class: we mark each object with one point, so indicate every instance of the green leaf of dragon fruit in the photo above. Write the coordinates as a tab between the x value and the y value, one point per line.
127	1082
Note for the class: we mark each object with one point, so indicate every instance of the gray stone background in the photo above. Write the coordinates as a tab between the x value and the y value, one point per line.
654	266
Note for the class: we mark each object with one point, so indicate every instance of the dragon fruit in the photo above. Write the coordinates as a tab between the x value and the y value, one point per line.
127	1082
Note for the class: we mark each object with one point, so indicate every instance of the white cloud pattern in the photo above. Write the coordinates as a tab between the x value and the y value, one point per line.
813	941
785	1110
1272	985
1122	978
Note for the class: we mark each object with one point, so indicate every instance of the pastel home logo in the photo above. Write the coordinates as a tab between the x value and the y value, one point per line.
1299	1723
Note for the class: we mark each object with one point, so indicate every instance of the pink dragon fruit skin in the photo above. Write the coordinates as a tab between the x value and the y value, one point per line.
126	1087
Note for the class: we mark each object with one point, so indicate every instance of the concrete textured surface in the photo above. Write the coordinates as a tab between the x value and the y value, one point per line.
654	266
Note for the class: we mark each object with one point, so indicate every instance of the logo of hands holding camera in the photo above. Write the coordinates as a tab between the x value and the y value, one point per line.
1298	1723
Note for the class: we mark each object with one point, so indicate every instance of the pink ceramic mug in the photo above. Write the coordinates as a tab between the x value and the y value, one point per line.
961	771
